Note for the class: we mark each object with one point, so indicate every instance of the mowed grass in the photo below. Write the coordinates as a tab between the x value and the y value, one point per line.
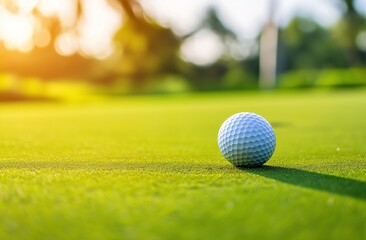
150	168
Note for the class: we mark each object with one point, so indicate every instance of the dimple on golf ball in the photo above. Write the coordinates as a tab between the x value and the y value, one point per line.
246	140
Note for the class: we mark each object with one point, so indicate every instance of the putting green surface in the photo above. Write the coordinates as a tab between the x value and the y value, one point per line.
150	168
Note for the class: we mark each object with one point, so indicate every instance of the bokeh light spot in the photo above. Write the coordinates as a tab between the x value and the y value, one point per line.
361	41
203	48
66	44
16	30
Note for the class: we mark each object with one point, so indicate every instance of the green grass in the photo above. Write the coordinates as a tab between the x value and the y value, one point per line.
149	168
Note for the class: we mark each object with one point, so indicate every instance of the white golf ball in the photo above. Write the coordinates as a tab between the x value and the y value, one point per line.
247	139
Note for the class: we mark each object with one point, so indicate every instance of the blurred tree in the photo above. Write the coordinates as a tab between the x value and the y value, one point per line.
207	78
227	73
347	31
44	62
304	44
213	23
144	49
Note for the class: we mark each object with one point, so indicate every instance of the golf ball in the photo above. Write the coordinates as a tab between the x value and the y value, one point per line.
246	139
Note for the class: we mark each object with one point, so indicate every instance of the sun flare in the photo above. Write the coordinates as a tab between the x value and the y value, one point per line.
24	25
16	30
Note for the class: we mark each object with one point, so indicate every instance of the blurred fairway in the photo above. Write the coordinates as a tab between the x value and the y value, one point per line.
149	168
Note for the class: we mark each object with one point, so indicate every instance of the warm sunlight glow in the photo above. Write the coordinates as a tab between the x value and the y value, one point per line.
23	26
26	6
64	10
16	30
97	28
